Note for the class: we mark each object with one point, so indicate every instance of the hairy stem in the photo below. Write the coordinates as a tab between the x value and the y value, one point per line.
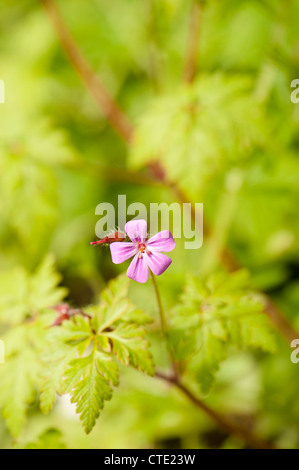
152	39
192	46
224	422
164	324
122	125
160	308
109	107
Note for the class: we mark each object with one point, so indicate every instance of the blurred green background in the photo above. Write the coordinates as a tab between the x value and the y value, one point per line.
228	140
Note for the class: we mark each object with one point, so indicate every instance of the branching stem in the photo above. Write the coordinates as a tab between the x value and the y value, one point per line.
122	125
224	422
107	104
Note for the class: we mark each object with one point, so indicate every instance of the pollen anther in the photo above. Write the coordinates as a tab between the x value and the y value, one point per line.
141	247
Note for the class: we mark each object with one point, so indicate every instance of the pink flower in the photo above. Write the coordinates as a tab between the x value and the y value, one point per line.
147	252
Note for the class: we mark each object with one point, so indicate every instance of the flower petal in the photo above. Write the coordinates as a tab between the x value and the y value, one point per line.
138	269
162	241
121	251
157	262
137	230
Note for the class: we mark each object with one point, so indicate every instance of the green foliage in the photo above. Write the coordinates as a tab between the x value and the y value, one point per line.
18	387
23	311
23	294
29	160
181	128
213	316
229	140
49	439
81	355
87	381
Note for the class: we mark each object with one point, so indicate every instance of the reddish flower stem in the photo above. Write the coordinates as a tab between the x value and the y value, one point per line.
192	47
119	121
224	422
122	125
107	104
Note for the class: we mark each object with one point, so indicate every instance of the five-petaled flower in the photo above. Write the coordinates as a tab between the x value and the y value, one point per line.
147	252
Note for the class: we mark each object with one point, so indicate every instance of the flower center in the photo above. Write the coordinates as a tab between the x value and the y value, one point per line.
142	248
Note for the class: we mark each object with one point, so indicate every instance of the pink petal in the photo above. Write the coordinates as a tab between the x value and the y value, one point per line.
121	251
163	241
138	269
137	230
157	262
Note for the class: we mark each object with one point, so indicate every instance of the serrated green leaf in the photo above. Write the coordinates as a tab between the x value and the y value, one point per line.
81	352
215	315
18	377
131	348
44	286
23	294
89	390
182	128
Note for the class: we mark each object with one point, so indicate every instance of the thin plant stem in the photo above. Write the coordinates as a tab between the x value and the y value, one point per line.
164	327
224	422
192	47
111	110
121	123
160	308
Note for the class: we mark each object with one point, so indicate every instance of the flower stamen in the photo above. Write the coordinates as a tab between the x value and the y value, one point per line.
141	247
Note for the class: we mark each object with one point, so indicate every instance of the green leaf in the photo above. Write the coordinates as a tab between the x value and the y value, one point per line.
215	315
130	348
108	368
182	127
80	355
49	439
43	286
24	297
90	390
23	294
116	291
55	361
18	377
205	363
